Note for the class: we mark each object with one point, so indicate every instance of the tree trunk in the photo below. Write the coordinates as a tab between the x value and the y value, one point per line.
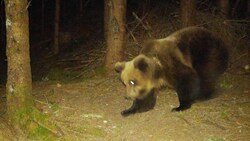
106	18
115	32
224	8
188	10
21	109
2	44
19	83
56	25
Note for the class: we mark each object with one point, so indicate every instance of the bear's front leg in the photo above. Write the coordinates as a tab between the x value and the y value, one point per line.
132	109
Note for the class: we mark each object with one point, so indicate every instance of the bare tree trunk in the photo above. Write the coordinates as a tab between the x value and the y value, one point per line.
115	28
20	104
188	10
224	8
56	25
19	83
2	44
106	18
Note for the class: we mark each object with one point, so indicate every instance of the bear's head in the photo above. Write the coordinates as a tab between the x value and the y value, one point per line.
138	75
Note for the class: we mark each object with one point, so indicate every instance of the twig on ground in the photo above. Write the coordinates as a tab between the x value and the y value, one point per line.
236	60
214	124
41	102
57	133
184	120
65	107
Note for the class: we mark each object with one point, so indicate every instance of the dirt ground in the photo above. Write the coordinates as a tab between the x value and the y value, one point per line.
90	111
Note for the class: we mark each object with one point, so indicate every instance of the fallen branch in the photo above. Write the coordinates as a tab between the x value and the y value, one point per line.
214	124
236	60
58	133
139	23
132	35
41	102
65	107
184	120
143	25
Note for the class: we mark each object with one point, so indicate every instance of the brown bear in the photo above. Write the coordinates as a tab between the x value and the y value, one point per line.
189	60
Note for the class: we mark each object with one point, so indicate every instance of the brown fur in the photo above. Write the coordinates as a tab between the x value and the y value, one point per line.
189	60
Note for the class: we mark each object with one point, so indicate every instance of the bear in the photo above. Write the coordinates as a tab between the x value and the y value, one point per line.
189	60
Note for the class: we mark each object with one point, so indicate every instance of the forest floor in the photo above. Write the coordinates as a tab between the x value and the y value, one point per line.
90	111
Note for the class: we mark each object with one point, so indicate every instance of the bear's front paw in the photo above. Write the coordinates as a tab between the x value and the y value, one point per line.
128	112
178	109
181	108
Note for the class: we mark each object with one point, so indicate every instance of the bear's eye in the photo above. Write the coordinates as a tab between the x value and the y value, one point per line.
132	83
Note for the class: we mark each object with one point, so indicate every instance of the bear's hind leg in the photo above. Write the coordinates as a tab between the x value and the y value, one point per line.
207	89
184	105
188	89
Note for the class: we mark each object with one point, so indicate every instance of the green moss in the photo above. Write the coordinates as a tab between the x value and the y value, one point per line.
213	138
37	125
20	103
55	107
224	114
94	131
30	119
40	133
24	115
226	84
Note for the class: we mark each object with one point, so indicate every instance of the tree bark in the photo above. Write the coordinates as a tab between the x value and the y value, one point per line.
56	26
106	18
21	109
224	8
188	10
115	32
19	83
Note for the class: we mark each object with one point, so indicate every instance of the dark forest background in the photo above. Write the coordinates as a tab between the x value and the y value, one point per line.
81	30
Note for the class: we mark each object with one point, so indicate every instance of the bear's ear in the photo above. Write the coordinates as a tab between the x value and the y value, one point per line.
141	64
119	66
